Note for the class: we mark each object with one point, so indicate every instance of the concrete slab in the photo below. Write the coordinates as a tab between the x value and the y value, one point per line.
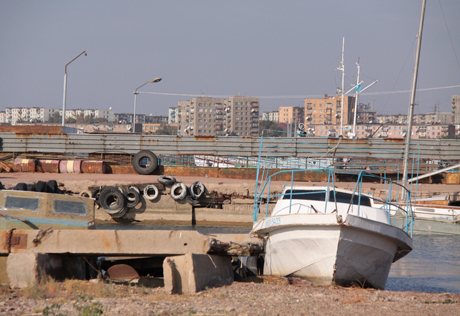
191	273
26	269
105	242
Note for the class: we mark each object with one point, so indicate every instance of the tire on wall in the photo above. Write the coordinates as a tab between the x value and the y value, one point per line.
145	162
112	201
178	191
132	197
197	189
151	192
166	180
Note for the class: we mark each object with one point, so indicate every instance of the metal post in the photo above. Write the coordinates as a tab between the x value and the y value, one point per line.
412	99
65	87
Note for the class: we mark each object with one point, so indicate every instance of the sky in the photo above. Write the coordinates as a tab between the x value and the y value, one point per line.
280	51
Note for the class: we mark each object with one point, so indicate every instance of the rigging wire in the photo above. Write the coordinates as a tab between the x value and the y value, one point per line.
448	32
293	96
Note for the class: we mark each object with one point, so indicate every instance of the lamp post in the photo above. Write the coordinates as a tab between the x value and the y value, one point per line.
135	99
65	87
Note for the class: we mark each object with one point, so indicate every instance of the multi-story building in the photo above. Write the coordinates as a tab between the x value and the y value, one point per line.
243	116
206	116
456	109
291	114
365	114
123	118
172	115
272	116
328	110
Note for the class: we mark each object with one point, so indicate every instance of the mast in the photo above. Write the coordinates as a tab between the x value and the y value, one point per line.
357	89
342	68
412	99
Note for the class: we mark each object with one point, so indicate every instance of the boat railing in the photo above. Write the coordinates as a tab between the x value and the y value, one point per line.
357	199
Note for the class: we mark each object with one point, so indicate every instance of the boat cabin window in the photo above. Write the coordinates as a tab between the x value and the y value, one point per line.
69	207
312	195
14	202
342	197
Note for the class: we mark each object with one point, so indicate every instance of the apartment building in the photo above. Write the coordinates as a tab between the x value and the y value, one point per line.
206	116
172	115
456	109
291	114
328	110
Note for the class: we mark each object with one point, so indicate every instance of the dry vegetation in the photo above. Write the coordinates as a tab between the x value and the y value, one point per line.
258	296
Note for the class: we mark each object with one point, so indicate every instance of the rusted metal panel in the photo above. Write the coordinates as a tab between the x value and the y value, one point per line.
131	143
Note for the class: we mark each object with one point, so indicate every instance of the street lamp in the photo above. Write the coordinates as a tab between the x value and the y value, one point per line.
65	87
135	99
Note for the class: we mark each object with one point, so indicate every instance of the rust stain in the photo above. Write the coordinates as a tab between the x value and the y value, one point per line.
394	140
105	242
206	138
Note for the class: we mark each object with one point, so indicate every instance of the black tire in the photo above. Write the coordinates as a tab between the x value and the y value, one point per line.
52	187
167	180
41	186
31	187
197	189
95	195
145	162
132	197
148	192
21	187
178	191
112	200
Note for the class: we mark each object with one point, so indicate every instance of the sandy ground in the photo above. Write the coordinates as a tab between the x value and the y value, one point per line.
276	297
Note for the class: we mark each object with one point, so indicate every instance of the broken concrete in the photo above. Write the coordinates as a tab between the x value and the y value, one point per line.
191	273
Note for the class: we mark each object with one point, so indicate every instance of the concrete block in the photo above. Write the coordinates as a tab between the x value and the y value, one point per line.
26	269
191	273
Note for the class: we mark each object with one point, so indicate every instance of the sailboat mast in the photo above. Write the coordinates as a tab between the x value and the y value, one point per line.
356	100
412	99
342	68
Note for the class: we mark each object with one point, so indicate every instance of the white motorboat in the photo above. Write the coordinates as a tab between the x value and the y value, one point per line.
331	236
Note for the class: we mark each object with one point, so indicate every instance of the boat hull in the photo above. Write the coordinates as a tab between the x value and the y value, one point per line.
326	252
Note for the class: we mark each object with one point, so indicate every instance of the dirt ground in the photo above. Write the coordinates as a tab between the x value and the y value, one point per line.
276	296
77	182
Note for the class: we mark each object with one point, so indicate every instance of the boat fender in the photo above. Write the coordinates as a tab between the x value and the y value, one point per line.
178	191
197	189
167	180
133	198
151	192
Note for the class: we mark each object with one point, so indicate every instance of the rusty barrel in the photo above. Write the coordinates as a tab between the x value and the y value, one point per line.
24	165
51	166
93	166
70	166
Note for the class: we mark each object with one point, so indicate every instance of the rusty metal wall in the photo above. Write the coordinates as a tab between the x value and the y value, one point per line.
445	149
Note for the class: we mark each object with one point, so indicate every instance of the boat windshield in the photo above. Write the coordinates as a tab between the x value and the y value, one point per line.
348	198
315	195
70	207
13	202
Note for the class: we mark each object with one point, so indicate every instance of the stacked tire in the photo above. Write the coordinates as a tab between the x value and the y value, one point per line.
113	201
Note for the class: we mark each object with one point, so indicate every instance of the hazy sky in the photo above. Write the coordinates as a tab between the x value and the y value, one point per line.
280	51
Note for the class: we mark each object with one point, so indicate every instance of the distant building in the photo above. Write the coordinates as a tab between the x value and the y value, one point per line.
291	114
206	116
328	110
456	109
